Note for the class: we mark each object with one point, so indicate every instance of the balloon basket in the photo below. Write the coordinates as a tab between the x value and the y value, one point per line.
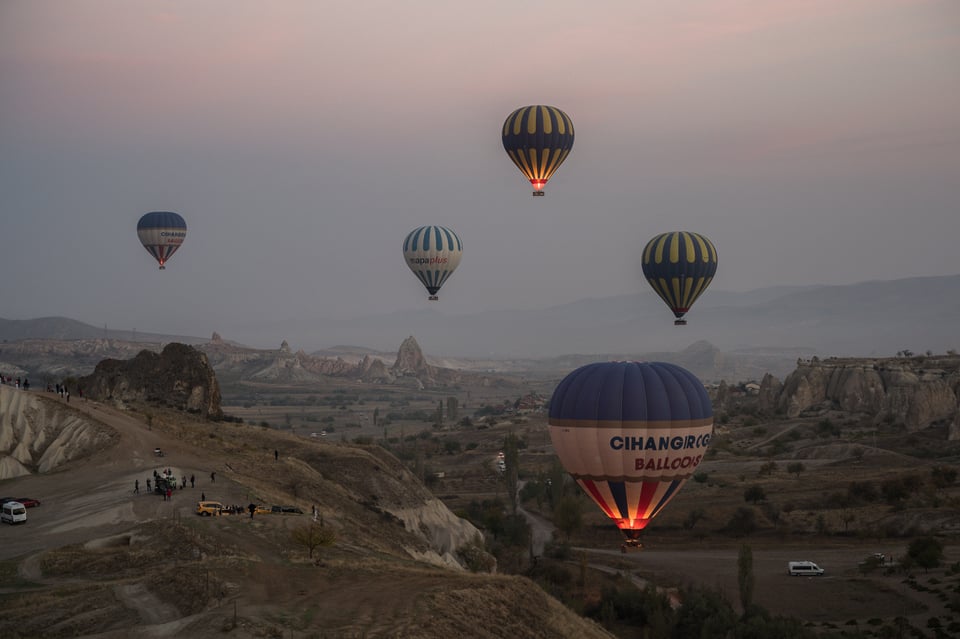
433	298
163	268
680	322
538	194
630	545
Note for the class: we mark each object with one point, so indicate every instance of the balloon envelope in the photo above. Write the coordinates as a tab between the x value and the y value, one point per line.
538	139
161	233
679	266
630	434
432	253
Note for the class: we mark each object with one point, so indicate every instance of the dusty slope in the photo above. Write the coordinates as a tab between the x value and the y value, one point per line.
113	563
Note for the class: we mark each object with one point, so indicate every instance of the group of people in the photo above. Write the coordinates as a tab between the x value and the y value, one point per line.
61	390
25	384
164	483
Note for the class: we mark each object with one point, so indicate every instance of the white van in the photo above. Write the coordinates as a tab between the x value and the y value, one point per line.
13	512
797	568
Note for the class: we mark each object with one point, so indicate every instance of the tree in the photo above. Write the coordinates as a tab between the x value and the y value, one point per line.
567	516
926	552
745	577
742	522
796	468
511	457
754	494
693	517
312	536
942	476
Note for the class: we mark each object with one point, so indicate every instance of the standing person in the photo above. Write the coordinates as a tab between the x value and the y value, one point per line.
213	477
169	493
148	485
184	484
276	455
191	481
252	507
136	486
203	496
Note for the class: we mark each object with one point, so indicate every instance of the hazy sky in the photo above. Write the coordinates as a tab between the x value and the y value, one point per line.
814	141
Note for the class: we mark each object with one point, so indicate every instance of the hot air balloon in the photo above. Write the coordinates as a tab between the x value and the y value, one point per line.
679	266
630	434
161	233
538	139
432	253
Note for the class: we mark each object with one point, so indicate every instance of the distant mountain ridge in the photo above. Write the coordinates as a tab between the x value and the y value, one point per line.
868	319
68	329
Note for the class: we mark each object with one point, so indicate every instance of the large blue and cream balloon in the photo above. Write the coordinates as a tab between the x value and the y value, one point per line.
538	139
679	266
161	233
630	434
432	253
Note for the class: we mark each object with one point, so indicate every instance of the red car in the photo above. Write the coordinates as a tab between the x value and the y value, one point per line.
27	502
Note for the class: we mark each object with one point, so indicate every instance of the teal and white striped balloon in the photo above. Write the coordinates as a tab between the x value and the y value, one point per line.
432	253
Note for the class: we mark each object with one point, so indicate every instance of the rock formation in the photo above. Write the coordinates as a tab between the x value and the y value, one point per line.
39	433
914	391
410	361
180	376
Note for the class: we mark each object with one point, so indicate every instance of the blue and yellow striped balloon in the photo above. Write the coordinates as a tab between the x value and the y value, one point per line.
679	266
538	139
432	253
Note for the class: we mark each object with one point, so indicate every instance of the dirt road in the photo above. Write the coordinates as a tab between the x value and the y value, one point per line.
84	501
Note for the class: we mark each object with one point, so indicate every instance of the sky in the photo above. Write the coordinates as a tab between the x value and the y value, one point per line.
813	141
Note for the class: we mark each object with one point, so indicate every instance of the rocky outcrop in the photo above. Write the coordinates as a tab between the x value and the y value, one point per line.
39	433
916	392
770	388
180	377
412	364
375	370
410	360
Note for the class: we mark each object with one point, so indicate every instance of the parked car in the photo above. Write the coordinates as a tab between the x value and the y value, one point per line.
28	502
210	508
13	512
286	509
263	510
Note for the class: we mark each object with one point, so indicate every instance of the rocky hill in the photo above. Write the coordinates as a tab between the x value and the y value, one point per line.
179	376
99	559
915	391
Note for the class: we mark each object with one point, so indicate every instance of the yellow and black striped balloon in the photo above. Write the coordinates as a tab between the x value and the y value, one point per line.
538	139
679	266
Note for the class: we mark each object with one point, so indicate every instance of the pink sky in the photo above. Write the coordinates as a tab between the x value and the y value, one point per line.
295	122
